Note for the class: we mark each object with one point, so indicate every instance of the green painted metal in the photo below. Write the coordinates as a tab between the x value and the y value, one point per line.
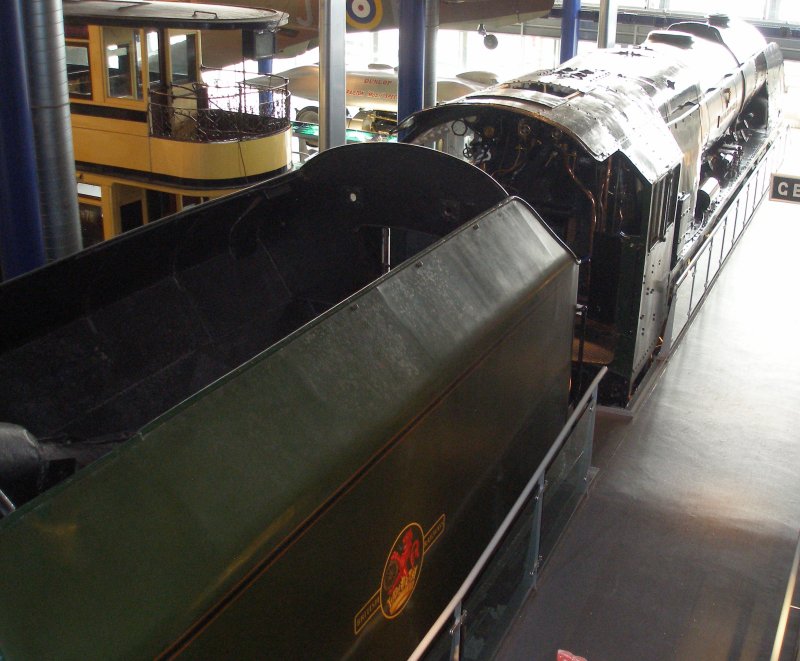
257	518
631	274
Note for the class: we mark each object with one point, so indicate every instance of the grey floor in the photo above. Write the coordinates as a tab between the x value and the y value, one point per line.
683	548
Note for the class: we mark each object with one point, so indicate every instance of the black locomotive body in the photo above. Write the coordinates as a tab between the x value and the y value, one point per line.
629	154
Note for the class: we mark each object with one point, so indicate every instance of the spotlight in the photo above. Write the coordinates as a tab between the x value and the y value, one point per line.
489	40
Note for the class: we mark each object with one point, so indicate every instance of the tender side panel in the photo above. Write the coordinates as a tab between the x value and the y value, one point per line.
266	506
493	305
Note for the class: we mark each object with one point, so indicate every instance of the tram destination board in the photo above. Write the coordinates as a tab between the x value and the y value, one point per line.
785	188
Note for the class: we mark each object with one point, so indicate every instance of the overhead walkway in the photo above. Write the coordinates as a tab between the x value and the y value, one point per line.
685	544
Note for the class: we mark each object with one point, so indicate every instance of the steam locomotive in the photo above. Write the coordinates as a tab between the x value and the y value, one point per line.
631	155
287	422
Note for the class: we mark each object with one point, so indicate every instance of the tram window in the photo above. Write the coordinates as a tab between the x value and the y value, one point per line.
153	59
183	55
76	32
123	63
78	74
89	190
91	217
160	204
131	215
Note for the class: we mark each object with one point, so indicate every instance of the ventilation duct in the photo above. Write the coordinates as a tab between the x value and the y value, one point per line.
49	100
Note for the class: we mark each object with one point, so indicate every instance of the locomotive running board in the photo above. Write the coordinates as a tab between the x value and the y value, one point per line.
690	289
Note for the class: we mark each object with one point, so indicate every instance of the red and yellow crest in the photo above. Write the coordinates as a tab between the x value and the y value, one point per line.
401	573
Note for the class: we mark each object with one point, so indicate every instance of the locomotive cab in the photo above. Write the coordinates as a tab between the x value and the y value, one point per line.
618	220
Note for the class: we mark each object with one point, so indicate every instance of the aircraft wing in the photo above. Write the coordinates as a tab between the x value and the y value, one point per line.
466	14
377	89
301	31
383	14
370	15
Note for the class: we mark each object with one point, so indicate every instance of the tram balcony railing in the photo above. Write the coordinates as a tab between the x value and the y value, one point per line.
224	111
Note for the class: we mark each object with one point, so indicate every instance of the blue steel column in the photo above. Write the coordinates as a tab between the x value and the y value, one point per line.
569	29
21	247
265	69
411	72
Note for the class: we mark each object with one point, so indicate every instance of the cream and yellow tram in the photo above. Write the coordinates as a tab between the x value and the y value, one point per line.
155	131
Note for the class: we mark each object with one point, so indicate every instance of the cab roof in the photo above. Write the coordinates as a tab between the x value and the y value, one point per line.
182	15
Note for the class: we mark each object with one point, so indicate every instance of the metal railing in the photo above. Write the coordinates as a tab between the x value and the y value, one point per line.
451	619
235	110
786	649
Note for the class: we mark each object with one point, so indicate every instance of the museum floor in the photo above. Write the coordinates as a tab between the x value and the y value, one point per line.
684	546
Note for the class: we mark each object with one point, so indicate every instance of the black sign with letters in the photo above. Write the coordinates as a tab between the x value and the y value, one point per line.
785	188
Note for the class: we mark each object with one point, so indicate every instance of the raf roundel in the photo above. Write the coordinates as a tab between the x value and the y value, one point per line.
364	14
